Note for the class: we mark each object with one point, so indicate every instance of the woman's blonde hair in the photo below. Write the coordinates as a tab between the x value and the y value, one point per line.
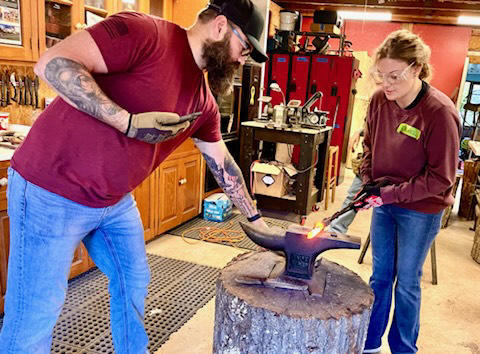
408	47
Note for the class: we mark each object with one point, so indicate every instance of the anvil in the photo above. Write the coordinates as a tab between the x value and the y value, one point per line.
301	246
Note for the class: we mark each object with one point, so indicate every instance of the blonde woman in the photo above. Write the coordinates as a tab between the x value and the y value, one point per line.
411	140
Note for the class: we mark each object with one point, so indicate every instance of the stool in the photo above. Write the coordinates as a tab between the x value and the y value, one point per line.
332	168
433	255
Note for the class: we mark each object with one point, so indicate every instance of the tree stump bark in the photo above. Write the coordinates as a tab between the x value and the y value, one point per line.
258	319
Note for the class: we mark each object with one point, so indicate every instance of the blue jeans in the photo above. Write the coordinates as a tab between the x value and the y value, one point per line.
400	239
45	230
341	224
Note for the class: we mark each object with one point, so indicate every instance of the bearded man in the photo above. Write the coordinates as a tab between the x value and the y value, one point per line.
127	88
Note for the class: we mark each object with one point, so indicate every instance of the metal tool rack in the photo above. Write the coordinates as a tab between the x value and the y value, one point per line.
309	186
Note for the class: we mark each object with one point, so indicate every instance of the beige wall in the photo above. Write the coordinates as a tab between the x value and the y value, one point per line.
184	12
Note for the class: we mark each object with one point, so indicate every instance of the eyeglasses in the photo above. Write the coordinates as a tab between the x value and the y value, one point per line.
247	47
391	78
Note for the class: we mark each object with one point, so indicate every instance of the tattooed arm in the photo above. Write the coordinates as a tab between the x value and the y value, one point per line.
68	71
228	176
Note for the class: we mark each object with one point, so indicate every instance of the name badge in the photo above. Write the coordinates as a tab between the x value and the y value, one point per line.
408	130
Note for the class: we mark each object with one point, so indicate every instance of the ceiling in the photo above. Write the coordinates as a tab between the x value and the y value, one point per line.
420	11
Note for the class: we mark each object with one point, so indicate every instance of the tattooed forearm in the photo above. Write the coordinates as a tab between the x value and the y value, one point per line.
230	179
74	83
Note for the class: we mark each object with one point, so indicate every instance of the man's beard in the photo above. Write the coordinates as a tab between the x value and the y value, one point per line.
219	65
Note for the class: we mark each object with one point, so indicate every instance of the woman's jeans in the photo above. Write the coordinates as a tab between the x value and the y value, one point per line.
45	230
400	239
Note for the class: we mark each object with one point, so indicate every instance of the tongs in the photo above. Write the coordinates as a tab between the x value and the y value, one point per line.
356	204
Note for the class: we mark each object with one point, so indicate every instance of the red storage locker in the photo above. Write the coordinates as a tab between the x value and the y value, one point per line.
280	69
334	76
298	84
320	79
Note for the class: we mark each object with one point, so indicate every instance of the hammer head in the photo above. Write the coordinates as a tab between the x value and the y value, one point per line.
301	245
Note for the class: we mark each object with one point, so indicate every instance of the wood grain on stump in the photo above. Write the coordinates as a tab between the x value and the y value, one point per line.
258	319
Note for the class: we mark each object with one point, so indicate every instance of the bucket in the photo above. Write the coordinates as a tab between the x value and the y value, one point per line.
287	20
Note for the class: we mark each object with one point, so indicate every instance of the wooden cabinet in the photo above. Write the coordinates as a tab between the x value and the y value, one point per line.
81	262
143	196
172	194
22	33
178	194
179	181
189	187
43	23
60	18
168	177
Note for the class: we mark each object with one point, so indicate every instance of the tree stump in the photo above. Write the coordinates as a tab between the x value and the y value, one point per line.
259	319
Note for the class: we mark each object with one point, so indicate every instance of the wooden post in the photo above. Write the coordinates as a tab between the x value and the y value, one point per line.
259	319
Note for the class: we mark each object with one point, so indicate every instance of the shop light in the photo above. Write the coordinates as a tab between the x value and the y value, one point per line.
468	20
365	15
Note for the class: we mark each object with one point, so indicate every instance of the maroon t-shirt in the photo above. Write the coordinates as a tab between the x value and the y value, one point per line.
422	171
150	68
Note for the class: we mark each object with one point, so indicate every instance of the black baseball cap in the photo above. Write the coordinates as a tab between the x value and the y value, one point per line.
245	15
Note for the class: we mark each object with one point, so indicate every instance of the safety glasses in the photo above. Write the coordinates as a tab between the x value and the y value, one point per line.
247	47
392	78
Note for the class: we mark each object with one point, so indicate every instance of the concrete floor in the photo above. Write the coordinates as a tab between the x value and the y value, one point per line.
450	318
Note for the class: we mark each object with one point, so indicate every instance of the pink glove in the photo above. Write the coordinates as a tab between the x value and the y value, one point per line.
373	198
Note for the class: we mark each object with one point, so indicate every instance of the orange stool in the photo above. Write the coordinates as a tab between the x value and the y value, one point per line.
332	168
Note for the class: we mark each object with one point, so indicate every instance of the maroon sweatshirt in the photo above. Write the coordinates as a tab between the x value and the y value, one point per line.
420	161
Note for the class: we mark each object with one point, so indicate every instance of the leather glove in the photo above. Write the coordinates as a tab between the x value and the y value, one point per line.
155	127
371	197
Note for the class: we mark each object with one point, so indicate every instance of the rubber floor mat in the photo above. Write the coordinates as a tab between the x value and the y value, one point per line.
232	223
177	290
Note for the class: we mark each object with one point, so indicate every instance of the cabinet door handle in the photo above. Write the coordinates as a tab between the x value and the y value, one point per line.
3	181
182	181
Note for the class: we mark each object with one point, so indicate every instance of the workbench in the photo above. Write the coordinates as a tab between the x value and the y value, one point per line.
310	186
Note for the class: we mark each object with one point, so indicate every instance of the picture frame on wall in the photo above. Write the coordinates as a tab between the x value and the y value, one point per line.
10	22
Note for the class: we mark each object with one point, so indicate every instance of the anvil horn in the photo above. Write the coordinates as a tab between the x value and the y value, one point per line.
272	238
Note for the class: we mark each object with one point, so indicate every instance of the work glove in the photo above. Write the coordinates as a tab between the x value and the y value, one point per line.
155	127
370	195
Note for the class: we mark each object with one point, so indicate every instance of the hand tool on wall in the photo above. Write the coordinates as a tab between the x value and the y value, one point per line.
28	90
3	90
6	85
21	86
15	85
36	83
301	246
25	90
355	205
